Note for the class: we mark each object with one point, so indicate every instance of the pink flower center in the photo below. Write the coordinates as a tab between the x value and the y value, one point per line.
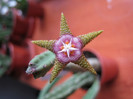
67	48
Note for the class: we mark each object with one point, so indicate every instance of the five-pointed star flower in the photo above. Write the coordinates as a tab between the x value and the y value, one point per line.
68	48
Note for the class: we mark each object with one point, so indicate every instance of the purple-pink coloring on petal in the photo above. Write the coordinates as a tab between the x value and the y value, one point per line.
68	48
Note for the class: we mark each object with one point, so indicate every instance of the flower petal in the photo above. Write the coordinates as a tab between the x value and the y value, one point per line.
77	54
77	42
63	58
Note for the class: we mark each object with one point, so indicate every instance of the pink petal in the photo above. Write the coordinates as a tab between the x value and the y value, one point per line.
63	58
76	55
77	42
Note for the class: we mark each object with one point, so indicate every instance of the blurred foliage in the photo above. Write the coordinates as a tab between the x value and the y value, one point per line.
68	87
5	62
4	36
5	59
6	16
21	5
6	21
6	25
47	88
93	90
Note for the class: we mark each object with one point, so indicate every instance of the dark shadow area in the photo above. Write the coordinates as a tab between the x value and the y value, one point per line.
13	89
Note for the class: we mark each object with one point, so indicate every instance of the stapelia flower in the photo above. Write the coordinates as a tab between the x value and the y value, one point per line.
68	48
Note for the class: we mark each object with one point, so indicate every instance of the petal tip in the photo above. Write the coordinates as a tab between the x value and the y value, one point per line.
101	31
94	72
33	42
62	14
51	79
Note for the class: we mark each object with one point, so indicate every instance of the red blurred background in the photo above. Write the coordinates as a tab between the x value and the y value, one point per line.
115	17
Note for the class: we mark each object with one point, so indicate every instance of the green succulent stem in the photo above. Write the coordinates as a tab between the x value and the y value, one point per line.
41	64
69	86
47	88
